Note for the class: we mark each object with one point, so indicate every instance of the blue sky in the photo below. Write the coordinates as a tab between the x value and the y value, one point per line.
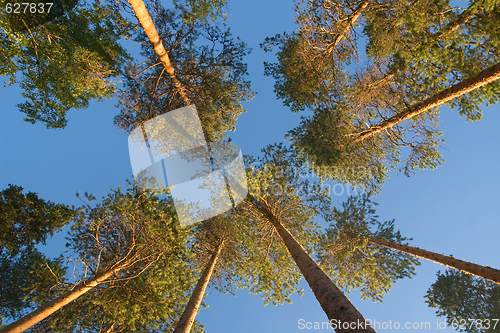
451	210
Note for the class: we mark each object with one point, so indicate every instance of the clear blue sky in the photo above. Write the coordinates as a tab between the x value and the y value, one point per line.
451	210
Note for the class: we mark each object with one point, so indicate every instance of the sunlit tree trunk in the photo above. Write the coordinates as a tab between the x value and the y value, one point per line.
461	19
189	314
348	25
147	24
464	266
479	80
50	307
334	303
110	329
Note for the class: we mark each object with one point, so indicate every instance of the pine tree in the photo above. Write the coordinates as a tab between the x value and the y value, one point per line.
28	278
485	272
214	244
477	81
126	236
353	261
25	222
80	44
233	258
367	117
189	71
461	297
284	201
354	227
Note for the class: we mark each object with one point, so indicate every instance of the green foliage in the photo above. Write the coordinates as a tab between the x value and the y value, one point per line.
460	297
344	105
207	61
275	181
347	255
222	230
298	81
432	45
201	10
309	68
65	62
323	143
253	255
149	303
326	142
412	53
142	230
27	220
28	279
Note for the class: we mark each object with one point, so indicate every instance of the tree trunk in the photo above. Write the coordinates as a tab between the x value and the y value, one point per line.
339	310
145	20
485	272
349	23
461	19
189	314
479	80
49	308
110	329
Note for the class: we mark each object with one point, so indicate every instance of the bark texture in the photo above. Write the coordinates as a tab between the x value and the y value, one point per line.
50	307
479	80
485	272
334	303
147	24
189	314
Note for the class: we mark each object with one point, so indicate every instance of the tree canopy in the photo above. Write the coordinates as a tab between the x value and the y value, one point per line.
29	278
413	54
80	45
27	220
275	181
136	227
209	67
372	76
459	296
352	261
